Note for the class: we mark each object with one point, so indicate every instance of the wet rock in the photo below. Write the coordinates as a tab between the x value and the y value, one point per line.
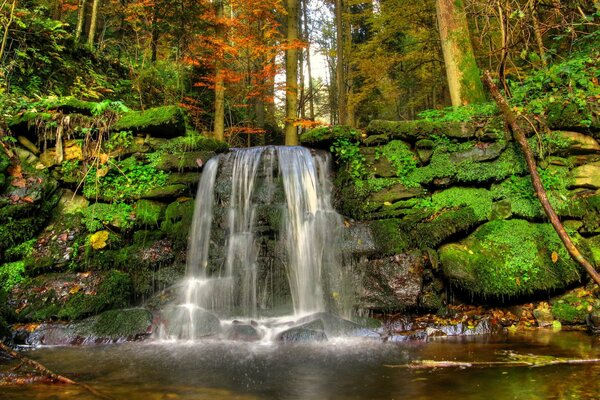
335	326
393	282
109	327
593	322
242	332
302	334
543	316
176	323
69	296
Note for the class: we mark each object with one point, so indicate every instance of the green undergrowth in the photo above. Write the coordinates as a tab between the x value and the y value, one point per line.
98	216
125	180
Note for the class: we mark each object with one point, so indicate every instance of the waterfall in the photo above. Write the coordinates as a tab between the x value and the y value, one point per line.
264	241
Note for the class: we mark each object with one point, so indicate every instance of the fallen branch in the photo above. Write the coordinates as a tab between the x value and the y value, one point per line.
53	377
519	136
515	360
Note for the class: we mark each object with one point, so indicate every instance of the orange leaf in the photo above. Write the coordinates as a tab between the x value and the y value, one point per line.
19	182
27	199
15	171
554	257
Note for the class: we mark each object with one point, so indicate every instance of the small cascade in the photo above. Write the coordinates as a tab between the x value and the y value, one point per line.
264	244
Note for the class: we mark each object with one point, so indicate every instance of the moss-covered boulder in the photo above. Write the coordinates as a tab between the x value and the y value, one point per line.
70	296
323	137
114	326
177	222
182	161
168	121
574	306
587	176
509	258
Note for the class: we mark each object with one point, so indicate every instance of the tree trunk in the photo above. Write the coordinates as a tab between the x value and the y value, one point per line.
155	34
340	73
80	19
519	136
6	28
537	32
461	68
311	97
93	23
219	121
291	74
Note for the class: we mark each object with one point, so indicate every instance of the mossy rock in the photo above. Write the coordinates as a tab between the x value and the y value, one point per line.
191	142
509	258
165	192
4	161
25	123
148	213
182	161
167	121
70	105
99	216
573	307
323	137
177	222
380	132
388	236
569	116
70	296
116	325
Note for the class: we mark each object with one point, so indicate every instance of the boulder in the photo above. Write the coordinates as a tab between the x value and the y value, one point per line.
394	282
509	258
586	176
167	122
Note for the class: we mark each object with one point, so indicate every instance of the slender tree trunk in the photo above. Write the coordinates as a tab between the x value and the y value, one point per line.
311	97
537	31
80	19
291	74
461	68
340	73
93	23
540	192
155	34
219	122
301	78
6	29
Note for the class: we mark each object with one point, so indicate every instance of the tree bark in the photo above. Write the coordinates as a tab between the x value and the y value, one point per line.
537	32
461	68
342	105
311	99
291	74
519	136
80	19
219	119
6	28
93	23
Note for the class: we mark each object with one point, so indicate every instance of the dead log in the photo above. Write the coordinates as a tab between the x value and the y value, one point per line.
520	138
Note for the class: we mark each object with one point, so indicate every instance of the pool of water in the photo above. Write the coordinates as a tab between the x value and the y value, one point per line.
344	369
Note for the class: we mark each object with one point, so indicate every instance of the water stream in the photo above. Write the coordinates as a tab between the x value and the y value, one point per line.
264	246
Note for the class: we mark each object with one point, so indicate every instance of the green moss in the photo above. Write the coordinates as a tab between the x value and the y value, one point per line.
479	200
431	233
69	105
100	215
388	236
510	162
126	180
116	324
168	121
323	137
571	308
401	158
20	251
11	274
113	292
192	141
178	219
148	213
4	161
509	258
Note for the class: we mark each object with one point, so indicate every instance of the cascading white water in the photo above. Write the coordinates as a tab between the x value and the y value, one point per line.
227	285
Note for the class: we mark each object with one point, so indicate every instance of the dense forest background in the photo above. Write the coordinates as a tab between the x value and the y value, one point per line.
352	61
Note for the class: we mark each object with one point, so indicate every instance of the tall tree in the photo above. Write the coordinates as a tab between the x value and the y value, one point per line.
221	36
463	74
291	74
80	19
342	104
93	23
